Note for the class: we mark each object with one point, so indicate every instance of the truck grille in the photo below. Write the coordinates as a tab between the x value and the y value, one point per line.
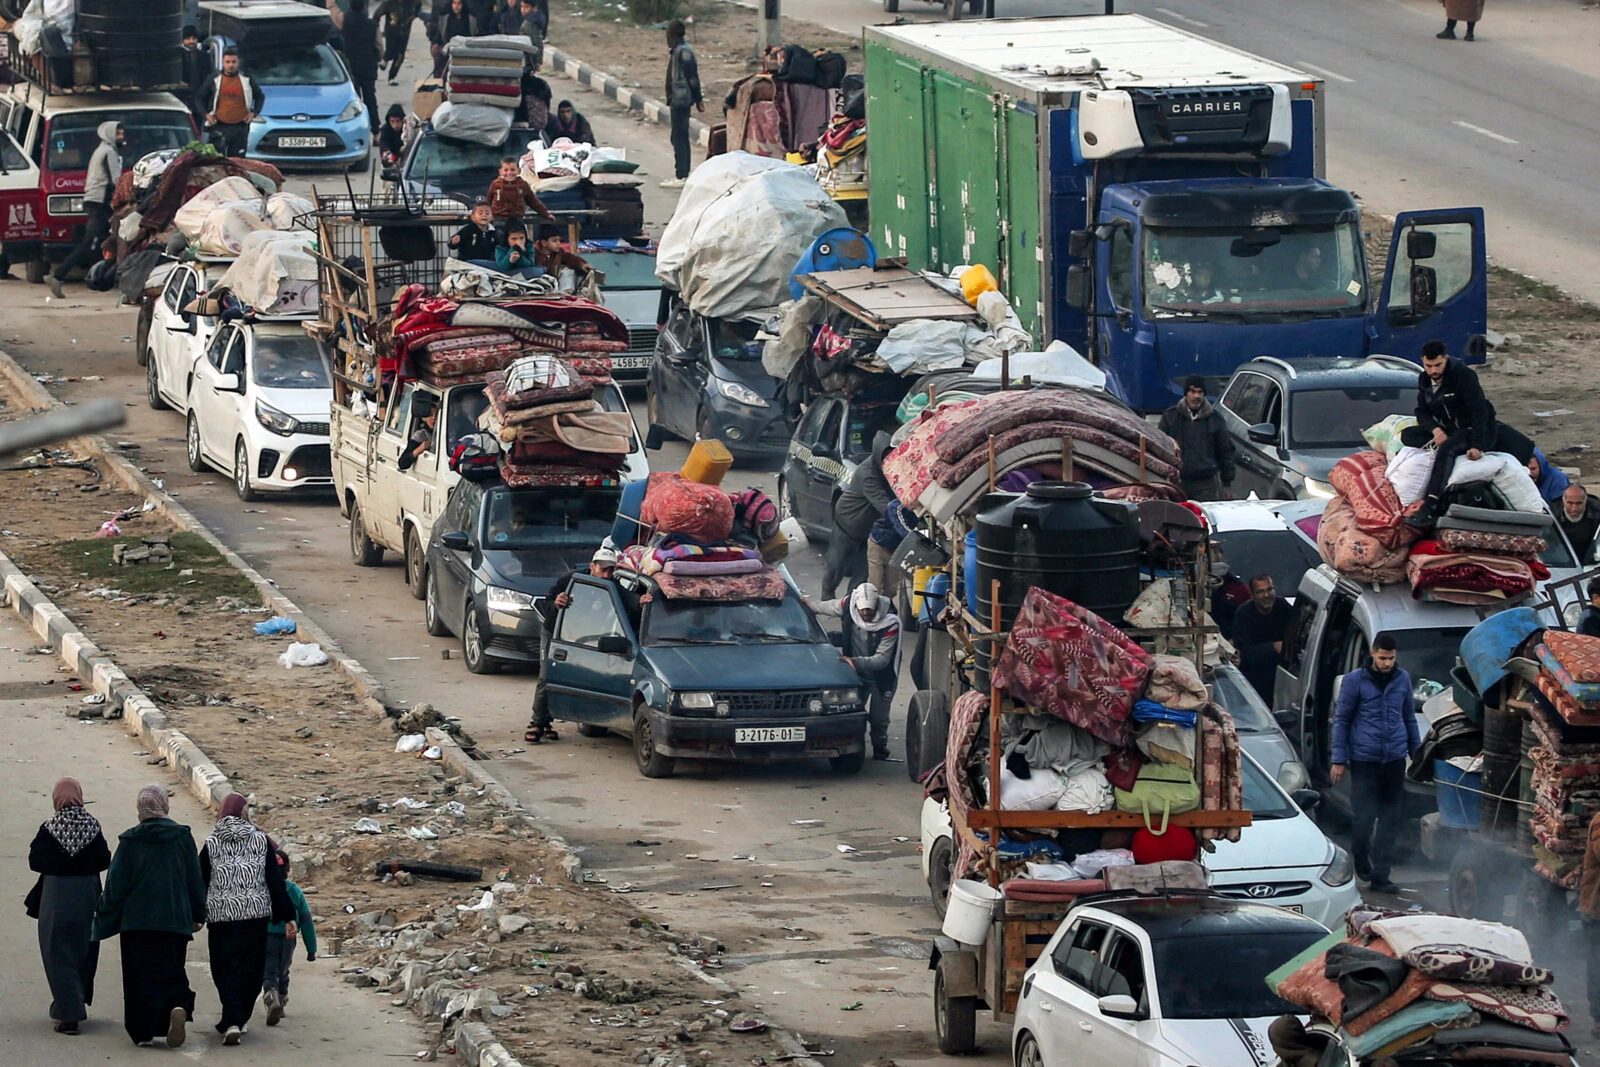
771	702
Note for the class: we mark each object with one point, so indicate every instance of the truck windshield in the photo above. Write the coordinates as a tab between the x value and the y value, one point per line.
290	363
564	517
316	65
72	138
1254	271
750	622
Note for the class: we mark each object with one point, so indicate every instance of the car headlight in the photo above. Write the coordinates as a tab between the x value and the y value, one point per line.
1292	775
351	110
698	701
501	599
1311	488
740	393
1339	870
841	696
276	421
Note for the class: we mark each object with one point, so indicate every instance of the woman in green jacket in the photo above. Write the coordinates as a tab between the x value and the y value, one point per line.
155	899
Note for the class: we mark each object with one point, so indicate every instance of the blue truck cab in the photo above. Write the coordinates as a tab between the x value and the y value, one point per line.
312	116
754	681
1155	199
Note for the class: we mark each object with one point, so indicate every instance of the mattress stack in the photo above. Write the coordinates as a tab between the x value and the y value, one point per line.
487	70
1565	719
551	429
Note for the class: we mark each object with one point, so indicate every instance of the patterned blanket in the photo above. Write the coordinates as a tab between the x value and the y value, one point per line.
1361	480
952	474
1469	579
970	713
1221	774
765	584
1353	552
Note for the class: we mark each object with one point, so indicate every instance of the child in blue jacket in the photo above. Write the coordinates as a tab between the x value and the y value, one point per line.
280	950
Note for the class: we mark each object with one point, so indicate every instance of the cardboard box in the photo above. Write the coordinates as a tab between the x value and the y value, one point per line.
427	98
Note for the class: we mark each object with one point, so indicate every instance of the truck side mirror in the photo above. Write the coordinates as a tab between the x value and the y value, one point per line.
1421	244
655	437
1078	294
1080	244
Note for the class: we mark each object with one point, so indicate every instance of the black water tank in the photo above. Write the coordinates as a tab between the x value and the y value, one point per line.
137	43
1059	537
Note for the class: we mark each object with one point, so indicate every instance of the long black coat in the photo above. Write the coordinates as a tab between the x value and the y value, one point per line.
361	50
1457	406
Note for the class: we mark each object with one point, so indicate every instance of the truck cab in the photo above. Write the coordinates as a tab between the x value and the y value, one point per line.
751	681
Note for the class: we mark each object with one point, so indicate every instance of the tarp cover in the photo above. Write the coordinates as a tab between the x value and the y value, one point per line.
191	217
742	223
272	269
475	123
228	225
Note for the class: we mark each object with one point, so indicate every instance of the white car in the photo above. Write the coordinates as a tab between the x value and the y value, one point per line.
258	408
1159	981
175	337
1282	858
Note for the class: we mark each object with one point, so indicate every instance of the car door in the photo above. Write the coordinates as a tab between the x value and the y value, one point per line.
584	683
381	506
1123	971
1065	992
1244	404
422	491
681	371
801	447
455	570
176	357
19	191
824	469
215	392
1436	284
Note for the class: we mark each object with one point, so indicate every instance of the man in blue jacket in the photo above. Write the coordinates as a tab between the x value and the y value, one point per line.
1374	731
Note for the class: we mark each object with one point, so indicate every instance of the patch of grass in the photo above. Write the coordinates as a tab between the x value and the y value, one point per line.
89	560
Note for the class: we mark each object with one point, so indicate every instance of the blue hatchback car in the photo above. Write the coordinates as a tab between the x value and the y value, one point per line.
312	116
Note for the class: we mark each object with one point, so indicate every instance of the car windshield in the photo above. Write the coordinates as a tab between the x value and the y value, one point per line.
450	162
1283	554
1335	418
1192	986
465	405
316	65
549	518
735	339
1253	272
1262	797
749	622
1428	656
1240	699
290	363
864	424
1556	552
624	270
72	138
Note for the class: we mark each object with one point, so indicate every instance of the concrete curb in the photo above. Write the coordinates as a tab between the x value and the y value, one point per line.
608	86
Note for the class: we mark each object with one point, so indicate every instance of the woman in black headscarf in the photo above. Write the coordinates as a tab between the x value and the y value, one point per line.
68	852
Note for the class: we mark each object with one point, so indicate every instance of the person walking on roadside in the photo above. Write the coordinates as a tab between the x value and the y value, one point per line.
362	55
231	100
244	894
1204	446
105	167
1374	732
155	901
196	71
1451	408
280	947
683	92
397	17
68	854
1259	631
872	647
1468	11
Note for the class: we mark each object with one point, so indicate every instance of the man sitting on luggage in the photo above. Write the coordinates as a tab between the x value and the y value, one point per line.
1452	408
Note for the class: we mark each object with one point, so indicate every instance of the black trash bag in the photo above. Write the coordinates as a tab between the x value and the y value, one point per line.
102	277
134	271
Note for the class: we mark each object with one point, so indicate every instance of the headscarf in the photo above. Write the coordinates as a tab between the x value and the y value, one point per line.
72	826
152	803
867	594
1552	483
232	805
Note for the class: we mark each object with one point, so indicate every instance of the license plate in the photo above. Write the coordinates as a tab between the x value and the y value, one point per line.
767	735
1293	907
302	142
629	362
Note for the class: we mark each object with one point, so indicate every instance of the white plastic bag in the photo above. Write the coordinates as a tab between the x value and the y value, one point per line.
1408	471
1036	793
476	123
1086	791
924	346
303	654
1505	473
411	743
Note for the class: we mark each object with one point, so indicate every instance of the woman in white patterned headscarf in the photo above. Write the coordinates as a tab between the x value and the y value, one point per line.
68	852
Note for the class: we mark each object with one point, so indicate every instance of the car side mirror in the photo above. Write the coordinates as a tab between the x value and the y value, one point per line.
1078	295
455	540
1307	799
229	383
615	645
1263	433
655	437
188	325
1287	719
389	174
1119	1006
1421	244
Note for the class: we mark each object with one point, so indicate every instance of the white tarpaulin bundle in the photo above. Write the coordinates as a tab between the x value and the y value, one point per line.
275	272
228	225
191	217
284	208
742	224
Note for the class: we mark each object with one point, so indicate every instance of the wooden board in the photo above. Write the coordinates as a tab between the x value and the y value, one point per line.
980	819
885	298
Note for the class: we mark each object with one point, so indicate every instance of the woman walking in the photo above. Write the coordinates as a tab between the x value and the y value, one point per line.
68	852
1468	11
245	893
156	901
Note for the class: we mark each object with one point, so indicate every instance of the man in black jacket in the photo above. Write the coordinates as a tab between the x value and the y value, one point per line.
1203	443
864	499
1579	519
1452	408
361	53
1259	630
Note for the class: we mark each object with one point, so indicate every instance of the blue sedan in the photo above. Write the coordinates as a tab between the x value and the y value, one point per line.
312	116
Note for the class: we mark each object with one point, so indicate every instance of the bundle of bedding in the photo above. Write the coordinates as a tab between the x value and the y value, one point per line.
1469	578
487	70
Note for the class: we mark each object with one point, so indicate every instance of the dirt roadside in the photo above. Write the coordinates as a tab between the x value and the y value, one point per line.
565	973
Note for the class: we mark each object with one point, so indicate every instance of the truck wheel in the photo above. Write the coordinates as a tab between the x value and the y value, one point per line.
589	729
941	868
152	387
955	1019
431	619
478	659
932	709
919	653
651	763
416	565
34	271
365	551
141	334
850	763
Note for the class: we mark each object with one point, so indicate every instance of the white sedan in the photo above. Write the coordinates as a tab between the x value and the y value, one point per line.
258	408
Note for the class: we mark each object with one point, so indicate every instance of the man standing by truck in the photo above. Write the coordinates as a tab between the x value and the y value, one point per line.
1374	732
1452	408
105	167
1203	443
872	647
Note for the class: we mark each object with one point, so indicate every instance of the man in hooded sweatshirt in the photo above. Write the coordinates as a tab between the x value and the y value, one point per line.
1374	732
865	497
105	167
872	647
1203	443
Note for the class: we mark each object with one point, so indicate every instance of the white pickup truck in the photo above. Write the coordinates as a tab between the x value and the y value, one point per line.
393	507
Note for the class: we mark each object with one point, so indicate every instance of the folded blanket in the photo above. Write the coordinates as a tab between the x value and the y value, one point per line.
1564	703
484	87
703	553
765	584
1362	481
1495	544
521	477
533	453
712	566
513	420
1464	578
1353	552
951	474
532	399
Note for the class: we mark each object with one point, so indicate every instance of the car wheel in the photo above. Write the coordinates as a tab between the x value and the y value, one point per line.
416	567
431	618
933	720
141	334
472	646
941	872
34	271
955	1019
365	551
785	500
651	763
849	763
653	411
1477	890
152	386
241	472
589	729
702	426
1028	1054
191	444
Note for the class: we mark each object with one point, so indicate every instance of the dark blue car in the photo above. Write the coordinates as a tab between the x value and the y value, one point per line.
755	681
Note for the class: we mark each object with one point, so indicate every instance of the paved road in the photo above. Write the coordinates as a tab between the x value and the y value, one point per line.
1506	122
330	1022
